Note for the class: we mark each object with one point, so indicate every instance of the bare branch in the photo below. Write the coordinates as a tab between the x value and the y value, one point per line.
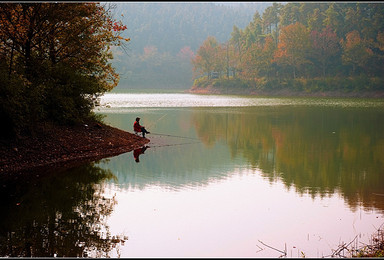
283	252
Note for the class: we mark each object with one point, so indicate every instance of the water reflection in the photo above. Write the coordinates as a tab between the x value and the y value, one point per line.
315	150
323	151
138	152
173	167
56	214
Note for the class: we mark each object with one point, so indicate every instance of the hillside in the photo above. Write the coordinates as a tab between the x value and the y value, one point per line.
165	35
299	47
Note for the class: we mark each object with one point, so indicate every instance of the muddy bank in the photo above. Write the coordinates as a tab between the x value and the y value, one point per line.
55	147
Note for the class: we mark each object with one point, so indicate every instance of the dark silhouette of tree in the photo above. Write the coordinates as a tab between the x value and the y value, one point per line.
59	214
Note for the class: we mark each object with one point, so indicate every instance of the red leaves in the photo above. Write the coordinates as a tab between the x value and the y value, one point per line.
325	40
186	53
118	26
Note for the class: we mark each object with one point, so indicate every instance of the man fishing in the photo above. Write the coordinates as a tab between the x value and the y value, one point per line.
137	128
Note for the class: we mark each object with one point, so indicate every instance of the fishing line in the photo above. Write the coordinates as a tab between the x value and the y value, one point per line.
175	136
155	146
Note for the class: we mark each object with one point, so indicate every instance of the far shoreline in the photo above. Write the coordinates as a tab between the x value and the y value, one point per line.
284	92
58	146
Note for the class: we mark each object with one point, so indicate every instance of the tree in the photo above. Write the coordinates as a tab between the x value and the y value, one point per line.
268	20
315	20
377	17
206	57
325	47
61	54
355	53
289	14
250	63
333	19
249	37
380	53
293	47
230	59
256	25
303	39
237	41
271	17
266	59
59	33
186	53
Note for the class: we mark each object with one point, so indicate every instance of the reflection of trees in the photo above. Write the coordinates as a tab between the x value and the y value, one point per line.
318	150
171	167
59	214
178	163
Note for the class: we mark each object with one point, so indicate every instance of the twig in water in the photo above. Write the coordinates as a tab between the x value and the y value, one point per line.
261	249
340	250
283	252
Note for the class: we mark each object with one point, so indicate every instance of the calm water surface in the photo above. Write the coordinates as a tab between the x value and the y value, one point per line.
223	176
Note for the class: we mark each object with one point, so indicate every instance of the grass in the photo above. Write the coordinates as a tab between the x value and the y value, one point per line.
353	249
375	247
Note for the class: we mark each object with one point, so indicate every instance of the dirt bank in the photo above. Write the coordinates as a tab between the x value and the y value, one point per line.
65	146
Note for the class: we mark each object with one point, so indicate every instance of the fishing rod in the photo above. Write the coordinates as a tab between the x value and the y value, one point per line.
154	123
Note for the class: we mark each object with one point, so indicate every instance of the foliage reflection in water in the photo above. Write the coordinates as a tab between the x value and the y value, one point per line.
318	150
57	214
214	181
321	169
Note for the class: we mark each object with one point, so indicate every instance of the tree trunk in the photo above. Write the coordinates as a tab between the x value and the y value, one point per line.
11	61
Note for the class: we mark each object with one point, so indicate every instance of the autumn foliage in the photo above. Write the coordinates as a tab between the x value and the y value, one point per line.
54	61
308	46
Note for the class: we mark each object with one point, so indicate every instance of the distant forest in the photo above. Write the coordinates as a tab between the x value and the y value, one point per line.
166	35
301	46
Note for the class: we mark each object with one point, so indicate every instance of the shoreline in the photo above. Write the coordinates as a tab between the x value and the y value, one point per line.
284	92
54	147
57	147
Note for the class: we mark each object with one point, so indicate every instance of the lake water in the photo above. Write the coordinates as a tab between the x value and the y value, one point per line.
222	176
